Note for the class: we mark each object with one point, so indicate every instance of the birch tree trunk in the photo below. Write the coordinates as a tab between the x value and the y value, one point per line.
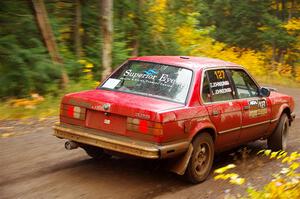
48	37
107	36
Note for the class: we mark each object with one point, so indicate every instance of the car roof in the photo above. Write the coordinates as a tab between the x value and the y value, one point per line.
195	63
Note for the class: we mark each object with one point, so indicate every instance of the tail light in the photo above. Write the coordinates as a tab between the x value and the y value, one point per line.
73	111
144	126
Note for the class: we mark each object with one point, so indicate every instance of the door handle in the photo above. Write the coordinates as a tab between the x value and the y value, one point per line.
215	113
246	107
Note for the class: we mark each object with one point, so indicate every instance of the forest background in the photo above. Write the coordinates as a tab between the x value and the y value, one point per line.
52	47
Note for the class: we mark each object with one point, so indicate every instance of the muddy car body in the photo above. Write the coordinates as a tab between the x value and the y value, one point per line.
182	108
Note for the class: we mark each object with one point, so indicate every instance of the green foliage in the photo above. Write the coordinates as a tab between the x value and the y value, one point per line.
25	66
264	36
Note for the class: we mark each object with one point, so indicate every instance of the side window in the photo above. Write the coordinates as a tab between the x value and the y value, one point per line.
219	85
206	96
245	86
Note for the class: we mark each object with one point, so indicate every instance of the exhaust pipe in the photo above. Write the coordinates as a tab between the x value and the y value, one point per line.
69	145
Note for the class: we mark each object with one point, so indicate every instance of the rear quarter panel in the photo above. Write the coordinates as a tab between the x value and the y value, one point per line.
186	122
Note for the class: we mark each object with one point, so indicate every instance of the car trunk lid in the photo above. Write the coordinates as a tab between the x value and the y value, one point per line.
108	110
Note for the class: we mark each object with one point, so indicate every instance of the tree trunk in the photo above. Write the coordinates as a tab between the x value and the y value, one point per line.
107	36
77	27
273	55
283	9
277	9
136	32
291	10
49	40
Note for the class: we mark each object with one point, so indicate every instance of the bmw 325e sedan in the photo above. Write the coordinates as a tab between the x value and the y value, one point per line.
185	109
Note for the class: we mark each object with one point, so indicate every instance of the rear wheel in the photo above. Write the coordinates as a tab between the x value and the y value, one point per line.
95	152
278	140
201	159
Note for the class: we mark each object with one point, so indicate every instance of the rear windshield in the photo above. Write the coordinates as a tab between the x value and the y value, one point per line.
151	79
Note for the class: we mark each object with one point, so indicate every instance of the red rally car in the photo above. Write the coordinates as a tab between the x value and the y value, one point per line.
182	108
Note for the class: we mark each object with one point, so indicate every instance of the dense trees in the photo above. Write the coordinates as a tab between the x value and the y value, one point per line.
261	35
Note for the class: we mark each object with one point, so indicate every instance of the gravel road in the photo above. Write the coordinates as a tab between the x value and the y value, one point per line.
34	164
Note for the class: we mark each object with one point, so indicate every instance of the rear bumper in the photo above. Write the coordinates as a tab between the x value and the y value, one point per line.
119	143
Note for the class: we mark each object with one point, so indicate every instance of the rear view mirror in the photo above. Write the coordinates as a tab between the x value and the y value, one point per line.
264	92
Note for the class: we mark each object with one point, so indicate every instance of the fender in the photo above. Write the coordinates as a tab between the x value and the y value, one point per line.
280	111
198	124
276	117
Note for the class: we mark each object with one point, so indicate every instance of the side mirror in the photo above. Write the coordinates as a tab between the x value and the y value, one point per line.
264	92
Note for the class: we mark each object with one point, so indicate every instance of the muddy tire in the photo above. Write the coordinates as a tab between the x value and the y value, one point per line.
201	159
278	140
95	152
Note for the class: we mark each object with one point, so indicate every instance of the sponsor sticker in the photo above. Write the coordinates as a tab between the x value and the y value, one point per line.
257	108
111	83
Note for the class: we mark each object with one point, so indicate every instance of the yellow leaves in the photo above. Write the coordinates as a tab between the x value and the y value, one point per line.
27	103
278	188
263	28
89	65
223	169
237	181
285	184
97	83
82	61
197	43
274	154
157	17
292	25
291	158
131	15
158	6
233	177
294	165
186	37
282	154
87	68
6	135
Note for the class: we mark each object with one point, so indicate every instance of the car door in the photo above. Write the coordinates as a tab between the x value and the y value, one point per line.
256	110
224	112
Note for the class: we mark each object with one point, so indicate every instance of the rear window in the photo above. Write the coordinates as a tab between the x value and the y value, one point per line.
151	79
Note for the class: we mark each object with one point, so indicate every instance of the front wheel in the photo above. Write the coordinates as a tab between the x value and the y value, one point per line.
278	139
201	159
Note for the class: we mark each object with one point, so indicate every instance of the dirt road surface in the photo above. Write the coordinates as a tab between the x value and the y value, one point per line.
34	164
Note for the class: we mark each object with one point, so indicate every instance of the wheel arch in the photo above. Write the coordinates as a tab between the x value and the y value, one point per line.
286	110
210	130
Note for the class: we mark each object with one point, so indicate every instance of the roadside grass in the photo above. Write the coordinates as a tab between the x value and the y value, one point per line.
47	107
50	105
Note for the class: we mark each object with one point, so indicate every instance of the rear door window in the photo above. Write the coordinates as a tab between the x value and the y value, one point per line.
220	86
